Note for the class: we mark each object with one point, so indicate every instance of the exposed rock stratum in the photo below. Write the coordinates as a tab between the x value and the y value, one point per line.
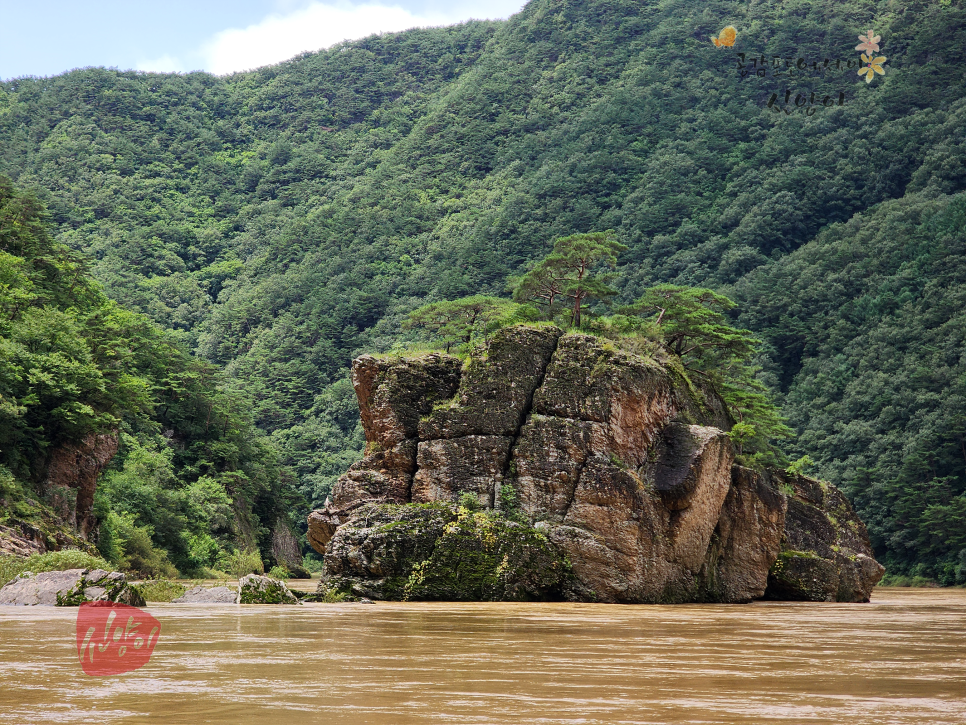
559	466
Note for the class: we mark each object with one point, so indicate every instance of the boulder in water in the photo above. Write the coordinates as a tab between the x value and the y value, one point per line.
257	589
208	595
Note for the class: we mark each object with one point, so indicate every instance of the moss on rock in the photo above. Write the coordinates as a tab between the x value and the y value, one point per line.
444	553
256	589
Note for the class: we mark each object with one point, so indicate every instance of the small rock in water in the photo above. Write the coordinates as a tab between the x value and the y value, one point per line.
366	601
256	589
208	595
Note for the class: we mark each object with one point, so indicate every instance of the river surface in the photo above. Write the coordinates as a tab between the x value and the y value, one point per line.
900	659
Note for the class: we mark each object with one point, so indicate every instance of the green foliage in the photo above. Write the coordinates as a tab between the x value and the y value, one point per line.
160	590
864	329
313	562
741	434
510	502
457	321
279	572
691	325
12	566
571	271
73	363
65	351
799	467
469	501
132	547
242	563
278	222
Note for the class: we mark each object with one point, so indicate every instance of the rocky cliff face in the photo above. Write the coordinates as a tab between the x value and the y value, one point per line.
614	461
62	516
72	472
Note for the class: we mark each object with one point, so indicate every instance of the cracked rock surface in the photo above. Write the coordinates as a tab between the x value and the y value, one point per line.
608	456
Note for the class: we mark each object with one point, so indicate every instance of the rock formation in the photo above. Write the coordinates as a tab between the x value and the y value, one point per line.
208	595
613	458
70	588
286	550
258	589
64	514
443	552
72	472
825	554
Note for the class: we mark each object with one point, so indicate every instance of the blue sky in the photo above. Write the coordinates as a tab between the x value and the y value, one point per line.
52	36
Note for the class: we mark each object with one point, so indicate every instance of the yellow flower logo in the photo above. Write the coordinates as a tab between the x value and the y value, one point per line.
726	38
870	42
872	66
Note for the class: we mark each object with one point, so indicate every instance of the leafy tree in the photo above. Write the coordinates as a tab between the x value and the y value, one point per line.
458	320
691	324
571	270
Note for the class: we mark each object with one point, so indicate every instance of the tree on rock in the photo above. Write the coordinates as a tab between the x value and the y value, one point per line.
457	320
691	323
573	271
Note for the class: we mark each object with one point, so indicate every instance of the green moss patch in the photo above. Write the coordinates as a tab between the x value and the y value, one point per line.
445	553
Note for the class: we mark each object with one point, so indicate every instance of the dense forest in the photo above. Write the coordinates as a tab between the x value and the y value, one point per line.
273	224
197	490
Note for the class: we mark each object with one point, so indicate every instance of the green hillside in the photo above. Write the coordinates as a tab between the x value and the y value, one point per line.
279	222
196	486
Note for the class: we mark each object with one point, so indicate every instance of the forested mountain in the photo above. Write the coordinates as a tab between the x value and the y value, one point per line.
279	222
196	487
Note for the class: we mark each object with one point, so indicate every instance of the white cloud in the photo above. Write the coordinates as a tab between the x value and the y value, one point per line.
317	26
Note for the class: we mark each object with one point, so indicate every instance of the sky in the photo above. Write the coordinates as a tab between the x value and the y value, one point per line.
220	36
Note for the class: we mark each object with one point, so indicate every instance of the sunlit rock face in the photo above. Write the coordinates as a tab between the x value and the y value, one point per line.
607	456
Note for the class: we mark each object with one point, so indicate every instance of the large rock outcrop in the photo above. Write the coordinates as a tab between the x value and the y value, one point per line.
825	553
611	457
70	588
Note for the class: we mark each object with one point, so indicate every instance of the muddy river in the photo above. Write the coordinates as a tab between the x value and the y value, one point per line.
900	659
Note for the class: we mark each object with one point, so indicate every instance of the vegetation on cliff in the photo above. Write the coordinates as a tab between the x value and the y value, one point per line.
280	221
193	480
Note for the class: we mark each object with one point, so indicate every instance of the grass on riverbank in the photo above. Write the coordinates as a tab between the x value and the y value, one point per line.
917	582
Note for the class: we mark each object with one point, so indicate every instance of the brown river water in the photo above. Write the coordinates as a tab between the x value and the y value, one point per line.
900	659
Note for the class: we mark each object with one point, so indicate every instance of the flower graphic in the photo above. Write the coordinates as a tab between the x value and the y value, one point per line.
872	66
726	38
870	42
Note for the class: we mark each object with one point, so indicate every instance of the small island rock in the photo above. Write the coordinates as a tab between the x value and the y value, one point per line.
613	473
257	589
208	595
